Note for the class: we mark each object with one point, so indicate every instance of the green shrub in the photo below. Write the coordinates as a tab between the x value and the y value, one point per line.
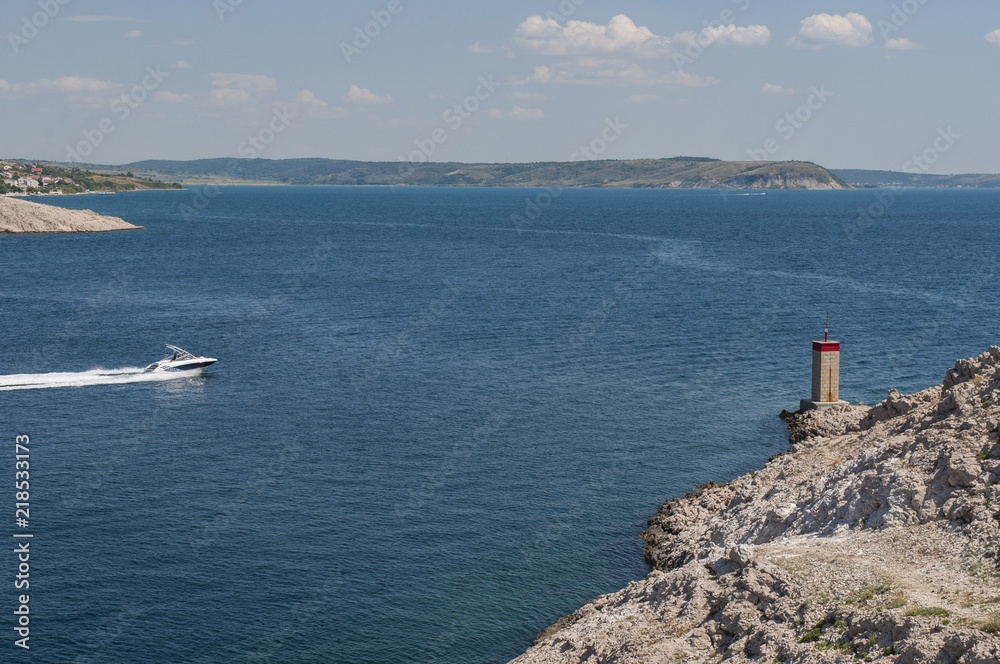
868	592
812	636
896	602
928	611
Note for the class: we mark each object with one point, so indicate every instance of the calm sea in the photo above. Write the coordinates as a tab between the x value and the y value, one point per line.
433	429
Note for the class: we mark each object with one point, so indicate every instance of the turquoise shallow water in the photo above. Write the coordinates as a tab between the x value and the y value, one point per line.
431	433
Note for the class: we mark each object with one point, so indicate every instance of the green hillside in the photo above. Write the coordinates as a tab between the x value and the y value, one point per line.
678	172
881	179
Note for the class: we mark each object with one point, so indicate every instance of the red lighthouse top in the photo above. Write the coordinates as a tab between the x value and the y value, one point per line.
827	346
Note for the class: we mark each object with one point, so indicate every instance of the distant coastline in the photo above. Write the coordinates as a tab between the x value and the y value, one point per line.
673	173
19	177
670	173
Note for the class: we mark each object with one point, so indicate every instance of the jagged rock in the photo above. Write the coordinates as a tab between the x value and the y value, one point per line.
741	554
963	469
871	511
17	216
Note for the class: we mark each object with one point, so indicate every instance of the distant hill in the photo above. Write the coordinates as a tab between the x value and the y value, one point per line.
678	172
880	179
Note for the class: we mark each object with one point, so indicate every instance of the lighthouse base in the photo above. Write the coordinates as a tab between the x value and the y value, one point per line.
808	404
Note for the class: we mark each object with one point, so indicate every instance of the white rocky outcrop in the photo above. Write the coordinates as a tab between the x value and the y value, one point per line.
17	216
873	538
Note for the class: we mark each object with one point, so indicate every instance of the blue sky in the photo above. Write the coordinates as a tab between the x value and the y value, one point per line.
844	84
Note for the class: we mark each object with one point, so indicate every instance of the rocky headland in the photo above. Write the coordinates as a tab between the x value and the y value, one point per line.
873	538
18	216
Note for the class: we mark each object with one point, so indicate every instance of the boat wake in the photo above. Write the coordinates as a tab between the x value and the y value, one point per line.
85	378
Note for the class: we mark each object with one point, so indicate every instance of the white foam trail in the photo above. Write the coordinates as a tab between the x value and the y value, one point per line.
85	378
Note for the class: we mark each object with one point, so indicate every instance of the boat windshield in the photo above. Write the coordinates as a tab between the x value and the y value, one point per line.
176	353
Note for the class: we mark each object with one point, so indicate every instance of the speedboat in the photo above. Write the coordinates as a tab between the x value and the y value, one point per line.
178	359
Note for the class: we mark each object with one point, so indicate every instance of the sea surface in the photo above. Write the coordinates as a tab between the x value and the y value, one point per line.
440	417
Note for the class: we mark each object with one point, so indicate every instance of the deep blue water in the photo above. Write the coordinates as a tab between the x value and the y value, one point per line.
430	434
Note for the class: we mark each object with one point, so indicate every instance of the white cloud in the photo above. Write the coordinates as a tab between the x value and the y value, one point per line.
359	95
546	36
636	100
773	89
236	89
994	37
101	19
171	97
752	35
479	48
825	29
74	90
518	114
525	96
307	97
181	64
902	44
593	54
541	75
613	72
64	84
610	71
133	34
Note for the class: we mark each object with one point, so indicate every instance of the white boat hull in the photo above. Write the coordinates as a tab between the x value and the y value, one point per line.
181	362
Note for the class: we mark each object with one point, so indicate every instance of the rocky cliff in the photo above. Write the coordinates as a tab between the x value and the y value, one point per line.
18	216
873	538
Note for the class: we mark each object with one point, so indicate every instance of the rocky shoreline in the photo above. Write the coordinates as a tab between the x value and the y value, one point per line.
874	537
17	216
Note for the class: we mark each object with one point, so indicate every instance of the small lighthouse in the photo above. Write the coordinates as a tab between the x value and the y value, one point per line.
825	374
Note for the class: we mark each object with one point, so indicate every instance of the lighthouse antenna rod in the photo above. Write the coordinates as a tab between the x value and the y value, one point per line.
826	331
